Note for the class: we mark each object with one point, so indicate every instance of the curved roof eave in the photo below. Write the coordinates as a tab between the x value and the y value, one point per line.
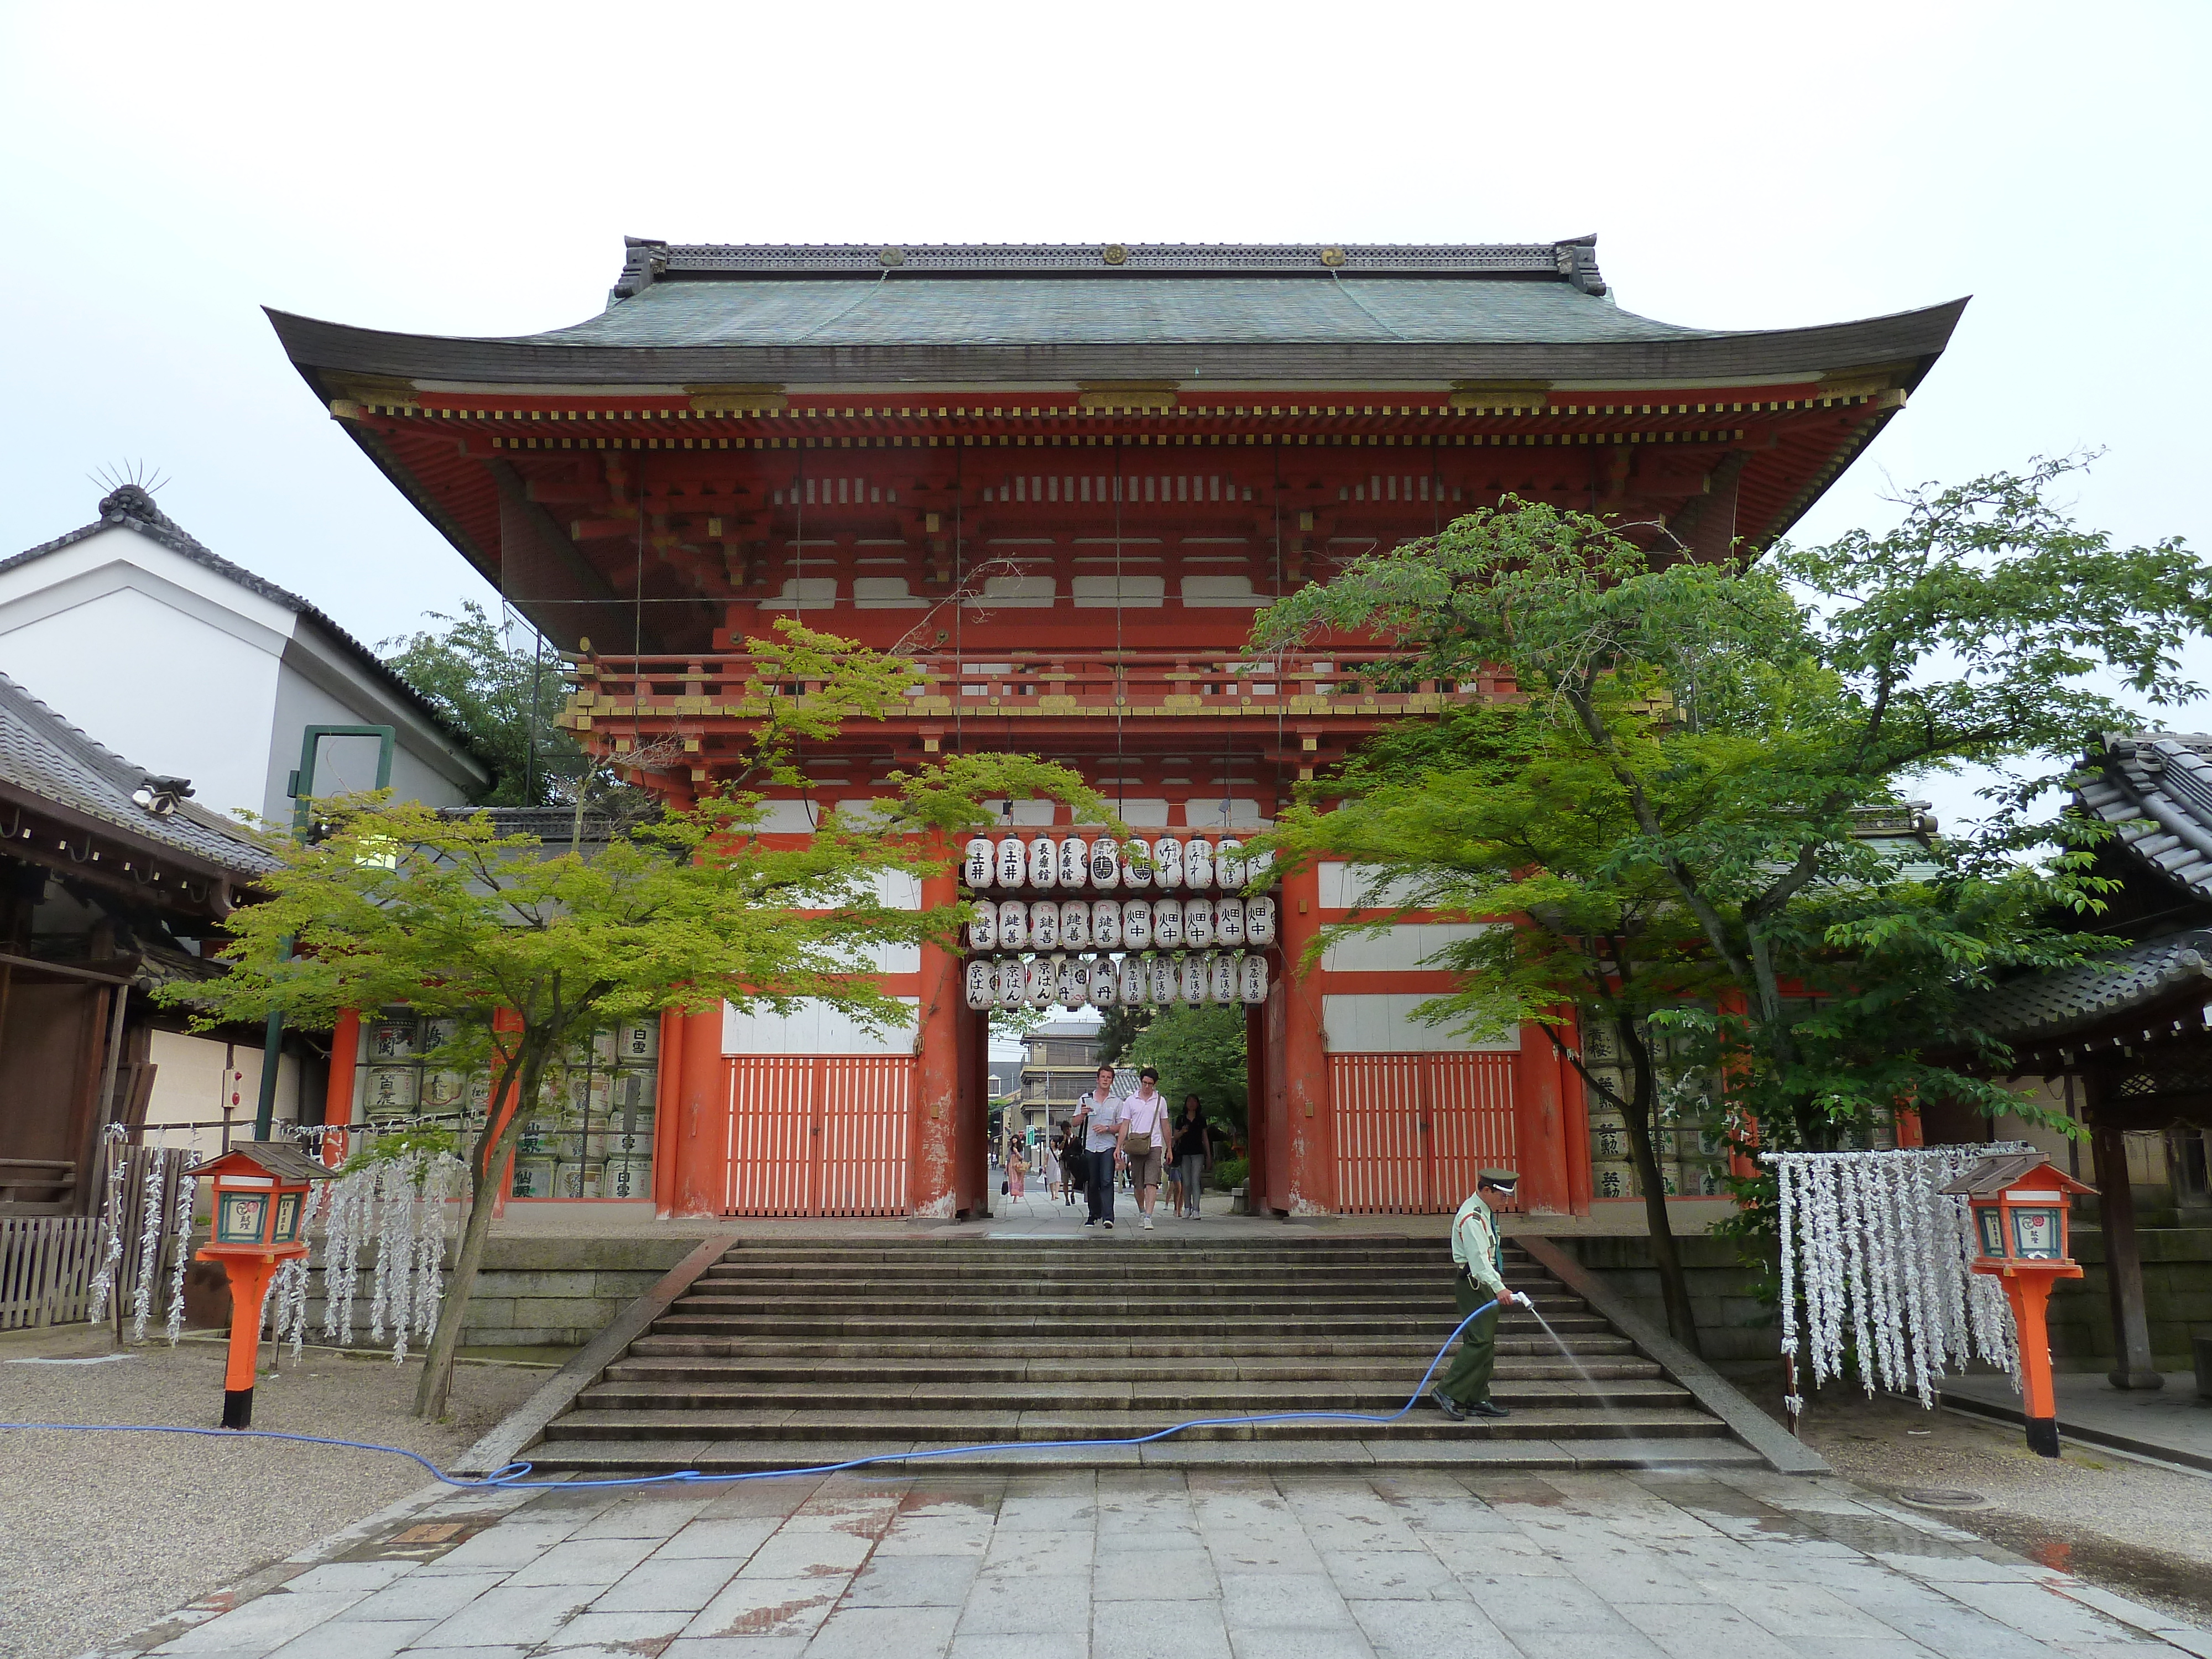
315	345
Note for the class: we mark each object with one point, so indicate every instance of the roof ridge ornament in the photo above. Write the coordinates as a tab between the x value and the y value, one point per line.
644	259
647	260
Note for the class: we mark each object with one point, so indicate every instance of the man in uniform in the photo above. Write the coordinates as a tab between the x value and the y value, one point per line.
1478	1260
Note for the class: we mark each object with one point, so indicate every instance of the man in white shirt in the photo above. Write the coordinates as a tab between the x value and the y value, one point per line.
1099	1115
1144	1140
1477	1259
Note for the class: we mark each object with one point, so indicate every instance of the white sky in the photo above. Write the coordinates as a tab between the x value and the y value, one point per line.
472	168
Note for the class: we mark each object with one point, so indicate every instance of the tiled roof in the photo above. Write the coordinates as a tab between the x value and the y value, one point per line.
2072	1000
132	508
2165	777
44	756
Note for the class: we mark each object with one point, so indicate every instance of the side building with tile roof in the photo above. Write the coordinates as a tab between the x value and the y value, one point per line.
161	647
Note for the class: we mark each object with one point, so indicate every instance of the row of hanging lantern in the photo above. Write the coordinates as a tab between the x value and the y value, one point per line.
1121	924
1103	981
1043	863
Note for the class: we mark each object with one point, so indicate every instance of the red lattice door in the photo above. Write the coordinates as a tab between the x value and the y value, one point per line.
817	1134
1411	1130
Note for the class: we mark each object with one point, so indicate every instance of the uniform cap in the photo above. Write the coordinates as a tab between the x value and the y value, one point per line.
1504	1179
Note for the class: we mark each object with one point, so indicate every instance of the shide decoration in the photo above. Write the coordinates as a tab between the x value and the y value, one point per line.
1883	1255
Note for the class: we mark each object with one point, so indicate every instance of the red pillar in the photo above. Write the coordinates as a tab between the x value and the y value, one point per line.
972	1122
503	1179
337	1097
666	1095
1260	1072
1540	1126
693	1111
932	1160
1574	1118
1308	1157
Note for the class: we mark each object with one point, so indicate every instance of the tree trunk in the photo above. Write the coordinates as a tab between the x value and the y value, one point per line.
1636	1114
483	1172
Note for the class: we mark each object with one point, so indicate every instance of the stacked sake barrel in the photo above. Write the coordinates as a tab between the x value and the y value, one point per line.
1076	922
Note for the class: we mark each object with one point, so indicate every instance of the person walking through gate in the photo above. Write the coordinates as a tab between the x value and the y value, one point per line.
1144	1140
1478	1258
1018	1162
1099	1114
1193	1151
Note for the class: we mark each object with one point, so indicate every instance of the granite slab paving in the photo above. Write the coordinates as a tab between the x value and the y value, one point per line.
1164	1563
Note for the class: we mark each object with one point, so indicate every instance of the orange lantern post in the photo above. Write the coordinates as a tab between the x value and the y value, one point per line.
260	1211
2022	1202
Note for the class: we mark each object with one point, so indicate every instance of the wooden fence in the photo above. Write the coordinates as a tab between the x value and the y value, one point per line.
47	1262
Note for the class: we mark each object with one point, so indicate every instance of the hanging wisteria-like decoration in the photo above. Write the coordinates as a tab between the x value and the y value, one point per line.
153	1213
111	1255
181	1236
399	1202
1872	1246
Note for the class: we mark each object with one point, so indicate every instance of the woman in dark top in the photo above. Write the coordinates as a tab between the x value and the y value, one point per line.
1193	1151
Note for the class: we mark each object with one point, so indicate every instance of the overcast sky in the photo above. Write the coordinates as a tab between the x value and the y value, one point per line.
166	171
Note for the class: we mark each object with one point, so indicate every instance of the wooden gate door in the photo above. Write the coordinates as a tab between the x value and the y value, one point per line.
817	1134
1411	1130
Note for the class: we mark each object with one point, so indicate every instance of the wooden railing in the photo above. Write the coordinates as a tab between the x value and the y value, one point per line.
1064	684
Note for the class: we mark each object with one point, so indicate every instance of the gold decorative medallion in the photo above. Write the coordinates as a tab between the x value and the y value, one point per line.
1332	257
1114	253
891	256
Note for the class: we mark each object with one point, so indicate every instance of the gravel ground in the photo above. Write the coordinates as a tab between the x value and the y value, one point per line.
107	1532
2139	1529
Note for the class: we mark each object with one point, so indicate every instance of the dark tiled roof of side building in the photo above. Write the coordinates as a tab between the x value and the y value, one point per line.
130	508
2040	1006
45	758
2165	778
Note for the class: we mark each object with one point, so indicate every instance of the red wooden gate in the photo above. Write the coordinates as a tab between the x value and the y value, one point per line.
817	1134
1411	1130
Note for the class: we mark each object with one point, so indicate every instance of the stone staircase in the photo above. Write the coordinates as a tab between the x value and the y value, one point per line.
784	1354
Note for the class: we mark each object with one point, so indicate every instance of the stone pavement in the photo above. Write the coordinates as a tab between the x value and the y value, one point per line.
1163	1565
2173	1423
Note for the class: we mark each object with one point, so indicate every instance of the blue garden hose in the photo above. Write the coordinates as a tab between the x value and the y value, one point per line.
510	1475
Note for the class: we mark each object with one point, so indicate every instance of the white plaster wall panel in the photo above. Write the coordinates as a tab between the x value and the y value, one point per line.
1125	592
429	765
1015	594
1407	947
1026	814
1142	813
814	1028
1359	886
345	762
787	818
93	663
885	593
1219	591
191	1086
1383	1024
805	593
1241	814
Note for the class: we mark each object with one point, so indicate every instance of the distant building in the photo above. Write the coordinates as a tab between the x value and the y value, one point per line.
1062	1058
162	650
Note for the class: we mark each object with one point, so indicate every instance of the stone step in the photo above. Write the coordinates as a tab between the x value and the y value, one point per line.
1403	1350
1009	1326
1192	1396
1468	1452
777	1368
989	1427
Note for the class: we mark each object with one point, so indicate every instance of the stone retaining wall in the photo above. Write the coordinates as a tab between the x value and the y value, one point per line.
541	1292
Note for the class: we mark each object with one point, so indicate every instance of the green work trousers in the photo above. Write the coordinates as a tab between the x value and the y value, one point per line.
1467	1382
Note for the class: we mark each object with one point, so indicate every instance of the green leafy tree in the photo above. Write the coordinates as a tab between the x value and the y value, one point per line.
502	697
1200	1049
396	902
1118	1031
1743	718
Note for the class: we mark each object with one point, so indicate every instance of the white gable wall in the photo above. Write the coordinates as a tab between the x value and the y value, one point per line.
182	670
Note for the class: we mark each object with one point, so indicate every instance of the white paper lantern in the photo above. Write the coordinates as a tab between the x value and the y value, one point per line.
1260	870
1133	873
1076	987
1198	923
1106	924
1013	982
1014	925
1105	863
979	983
1036	982
1198	864
1044	863
979	863
1137	924
1190	978
1229	868
1104	982
1075	925
1229	920
983	926
1064	991
1013	861
1260	921
1252	978
1221	979
1131	973
1044	924
1167	923
1074	861
1167	863
1160	980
